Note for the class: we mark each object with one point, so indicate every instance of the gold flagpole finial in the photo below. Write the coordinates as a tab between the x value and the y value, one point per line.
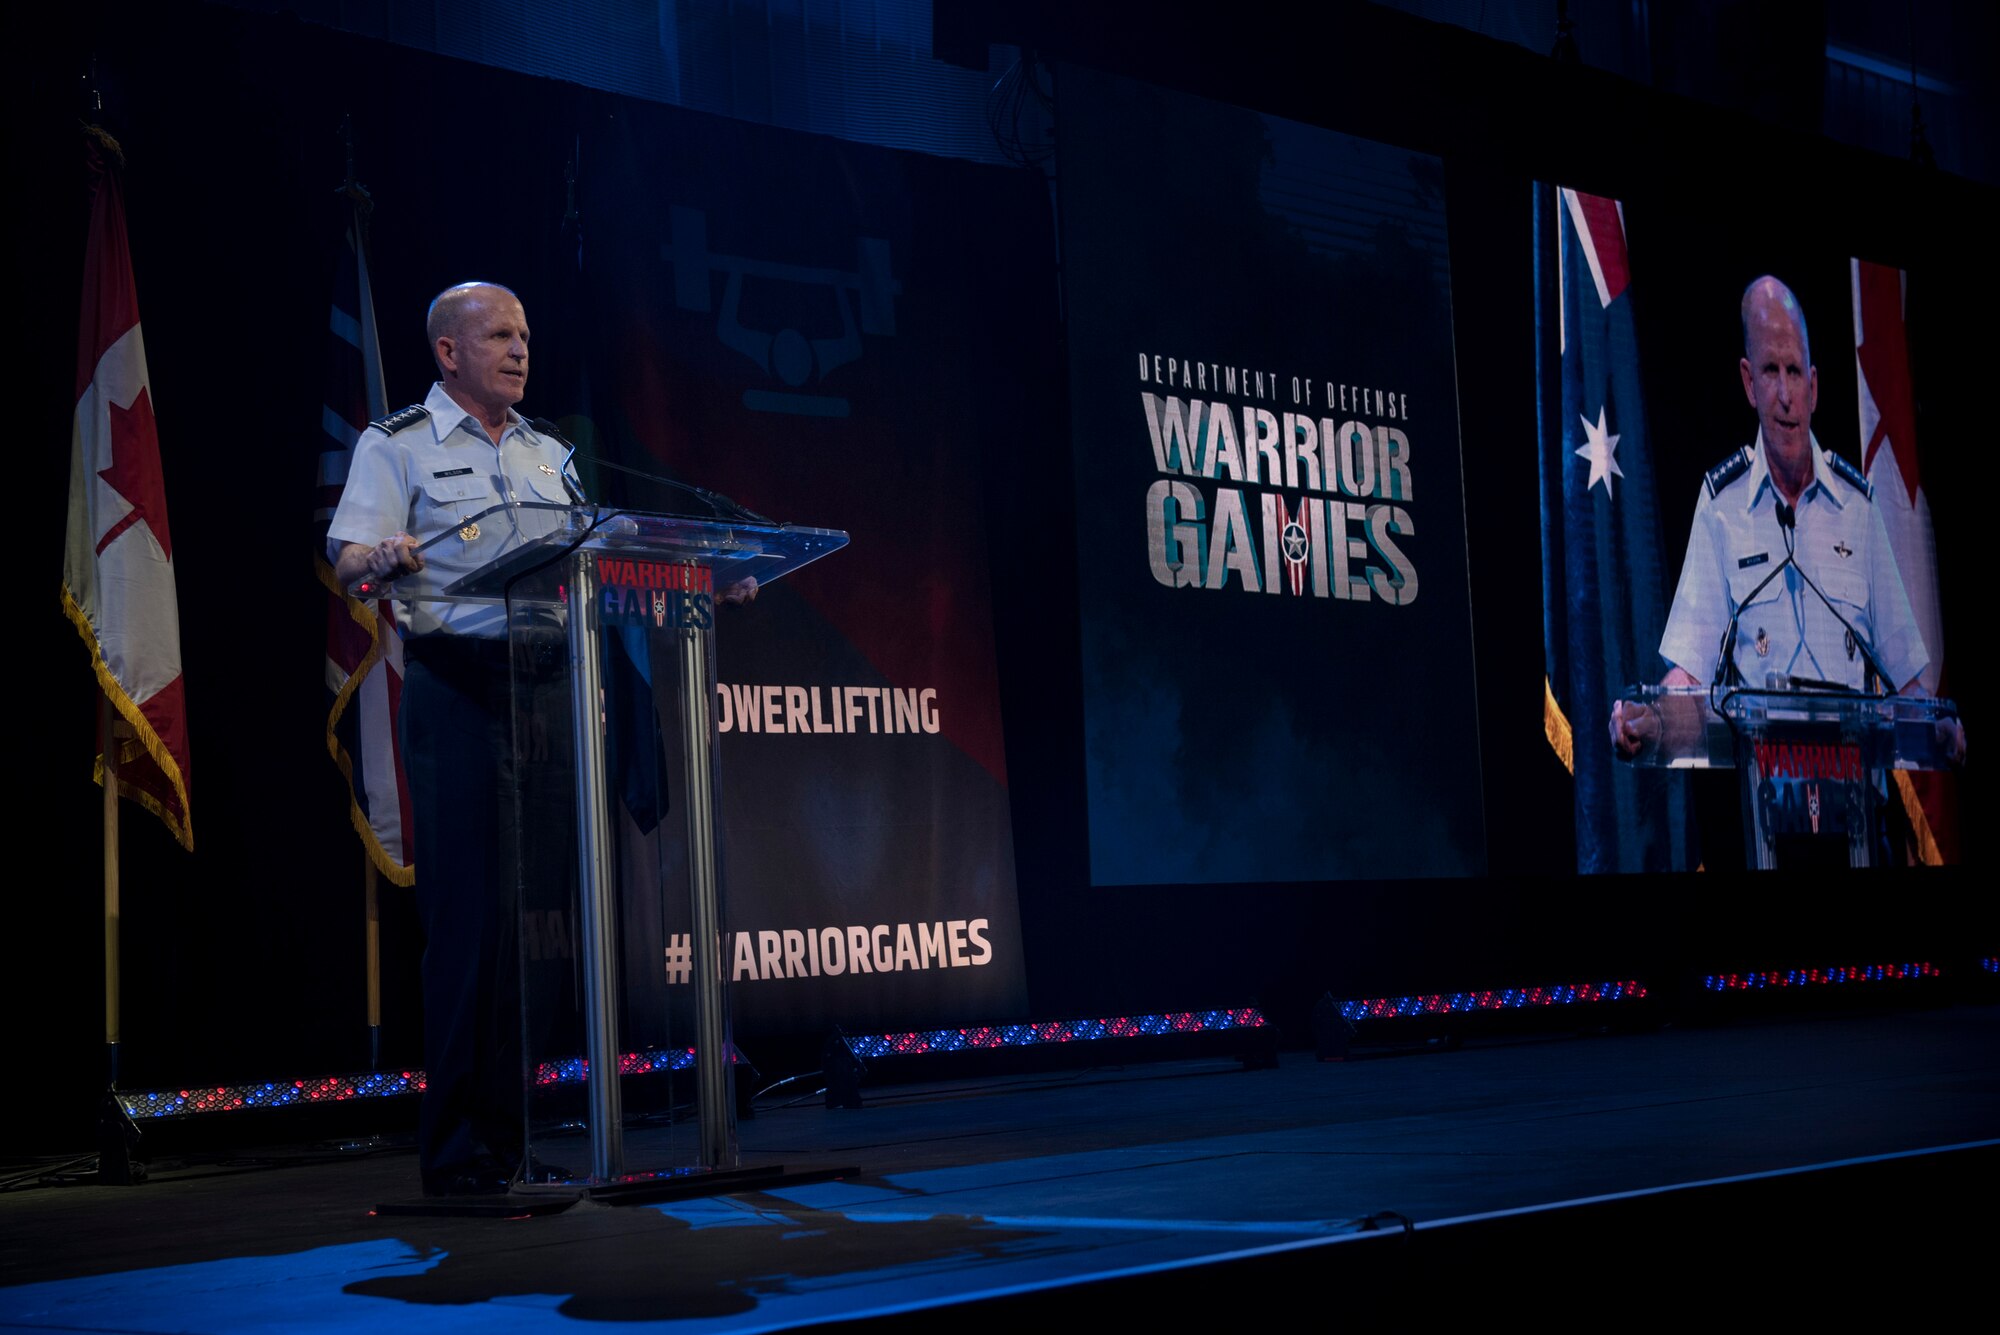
100	136
93	111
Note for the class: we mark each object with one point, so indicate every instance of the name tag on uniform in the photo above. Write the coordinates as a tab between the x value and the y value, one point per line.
452	472
1759	559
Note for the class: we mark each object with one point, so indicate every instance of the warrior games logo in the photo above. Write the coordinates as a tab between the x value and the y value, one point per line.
656	593
1811	789
1339	531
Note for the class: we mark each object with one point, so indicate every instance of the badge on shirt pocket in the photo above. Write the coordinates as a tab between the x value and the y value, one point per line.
449	497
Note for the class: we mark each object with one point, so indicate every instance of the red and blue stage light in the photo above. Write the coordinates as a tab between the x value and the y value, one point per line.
1757	980
1511	998
368	1085
988	1036
1441	1016
270	1094
1242	1033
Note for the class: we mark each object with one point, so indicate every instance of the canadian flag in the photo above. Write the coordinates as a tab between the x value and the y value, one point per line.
1889	456
118	557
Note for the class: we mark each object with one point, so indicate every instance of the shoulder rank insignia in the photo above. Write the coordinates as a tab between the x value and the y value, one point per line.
1853	476
1726	472
401	420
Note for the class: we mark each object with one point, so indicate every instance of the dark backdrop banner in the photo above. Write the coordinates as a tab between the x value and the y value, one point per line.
1277	644
832	335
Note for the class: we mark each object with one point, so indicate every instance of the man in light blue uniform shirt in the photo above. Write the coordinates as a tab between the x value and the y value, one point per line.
1786	632
435	467
431	469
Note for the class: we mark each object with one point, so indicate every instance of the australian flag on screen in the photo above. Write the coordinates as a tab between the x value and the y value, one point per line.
1603	581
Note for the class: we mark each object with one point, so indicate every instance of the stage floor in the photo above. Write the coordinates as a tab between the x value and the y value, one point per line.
979	1189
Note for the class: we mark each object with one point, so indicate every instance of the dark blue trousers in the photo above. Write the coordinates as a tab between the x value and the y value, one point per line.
458	753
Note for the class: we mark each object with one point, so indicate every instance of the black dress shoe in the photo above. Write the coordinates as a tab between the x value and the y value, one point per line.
542	1171
476	1179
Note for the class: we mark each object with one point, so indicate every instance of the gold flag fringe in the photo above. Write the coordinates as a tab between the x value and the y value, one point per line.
364	616
1927	847
181	824
1555	726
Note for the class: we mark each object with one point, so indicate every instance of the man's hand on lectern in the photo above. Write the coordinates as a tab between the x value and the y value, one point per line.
1634	727
395	555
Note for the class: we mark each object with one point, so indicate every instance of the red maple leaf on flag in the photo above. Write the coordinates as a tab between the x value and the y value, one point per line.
1884	354
135	472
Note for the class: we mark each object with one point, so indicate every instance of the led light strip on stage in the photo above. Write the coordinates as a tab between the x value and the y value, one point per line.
271	1094
866	1046
370	1085
1848	973
575	1070
1242	1033
1512	998
1335	1021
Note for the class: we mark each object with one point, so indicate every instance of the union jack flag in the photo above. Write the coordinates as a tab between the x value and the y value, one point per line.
364	652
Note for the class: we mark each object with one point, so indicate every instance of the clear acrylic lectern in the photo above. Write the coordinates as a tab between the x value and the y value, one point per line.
1817	766
612	618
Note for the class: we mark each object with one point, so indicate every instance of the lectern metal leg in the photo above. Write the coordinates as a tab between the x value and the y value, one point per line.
711	1039
596	885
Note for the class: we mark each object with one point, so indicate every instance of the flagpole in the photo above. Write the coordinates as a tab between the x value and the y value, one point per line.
363	204
107	731
140	692
107	719
117	1133
370	880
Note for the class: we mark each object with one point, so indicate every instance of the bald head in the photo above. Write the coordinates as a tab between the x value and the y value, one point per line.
1768	302
1779	381
479	337
454	307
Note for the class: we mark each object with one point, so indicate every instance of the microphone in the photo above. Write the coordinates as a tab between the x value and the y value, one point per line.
718	503
1788	521
1725	661
714	500
548	428
1725	667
